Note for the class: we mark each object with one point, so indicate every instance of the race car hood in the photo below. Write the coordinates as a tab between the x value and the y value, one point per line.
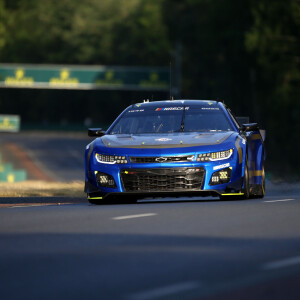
171	140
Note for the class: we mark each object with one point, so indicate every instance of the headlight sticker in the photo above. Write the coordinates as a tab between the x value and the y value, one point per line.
110	159
215	156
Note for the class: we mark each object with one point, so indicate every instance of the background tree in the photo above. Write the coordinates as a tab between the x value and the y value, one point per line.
244	52
274	42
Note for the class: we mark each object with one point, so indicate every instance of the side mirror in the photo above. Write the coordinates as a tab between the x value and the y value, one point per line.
96	132
249	127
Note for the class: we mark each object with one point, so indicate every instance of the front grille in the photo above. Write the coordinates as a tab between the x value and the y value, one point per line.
166	179
162	159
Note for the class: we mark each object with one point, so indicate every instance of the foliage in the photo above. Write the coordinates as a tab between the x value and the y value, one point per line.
2	24
215	63
274	40
87	31
245	52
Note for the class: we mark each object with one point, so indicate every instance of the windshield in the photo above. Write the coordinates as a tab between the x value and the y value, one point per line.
168	119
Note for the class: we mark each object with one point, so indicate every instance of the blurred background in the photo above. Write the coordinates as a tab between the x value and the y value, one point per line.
246	53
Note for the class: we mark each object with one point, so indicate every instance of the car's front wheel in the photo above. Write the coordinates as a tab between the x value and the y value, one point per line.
246	187
245	191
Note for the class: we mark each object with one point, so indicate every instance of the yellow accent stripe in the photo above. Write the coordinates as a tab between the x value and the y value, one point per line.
255	137
239	149
95	197
255	173
232	194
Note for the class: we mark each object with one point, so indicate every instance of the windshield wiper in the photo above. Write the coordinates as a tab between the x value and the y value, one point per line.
182	119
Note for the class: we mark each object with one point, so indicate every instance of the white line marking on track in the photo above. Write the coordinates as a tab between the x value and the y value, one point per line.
34	205
281	200
165	291
282	263
134	216
37	205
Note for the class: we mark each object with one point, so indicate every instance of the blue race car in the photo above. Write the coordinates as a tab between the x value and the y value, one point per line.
175	148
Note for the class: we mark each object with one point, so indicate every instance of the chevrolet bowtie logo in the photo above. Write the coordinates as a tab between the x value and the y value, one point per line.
161	159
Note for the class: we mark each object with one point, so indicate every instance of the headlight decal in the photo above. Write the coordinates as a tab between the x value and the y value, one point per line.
110	159
215	156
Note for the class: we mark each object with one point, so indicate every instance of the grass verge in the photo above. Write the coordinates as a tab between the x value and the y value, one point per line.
42	188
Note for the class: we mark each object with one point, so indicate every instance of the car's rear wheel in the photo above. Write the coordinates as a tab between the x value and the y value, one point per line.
262	187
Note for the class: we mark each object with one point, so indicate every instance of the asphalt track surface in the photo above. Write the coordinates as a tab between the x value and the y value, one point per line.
155	249
199	248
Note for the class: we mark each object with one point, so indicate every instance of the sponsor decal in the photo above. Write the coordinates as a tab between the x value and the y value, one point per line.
64	79
135	110
170	108
163	140
221	166
109	79
210	108
19	79
9	123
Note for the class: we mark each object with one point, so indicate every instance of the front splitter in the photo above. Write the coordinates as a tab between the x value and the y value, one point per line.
161	194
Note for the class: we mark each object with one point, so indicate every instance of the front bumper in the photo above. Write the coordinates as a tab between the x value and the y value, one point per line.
173	187
232	189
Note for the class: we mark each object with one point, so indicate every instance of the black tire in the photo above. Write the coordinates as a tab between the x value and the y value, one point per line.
246	187
263	184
